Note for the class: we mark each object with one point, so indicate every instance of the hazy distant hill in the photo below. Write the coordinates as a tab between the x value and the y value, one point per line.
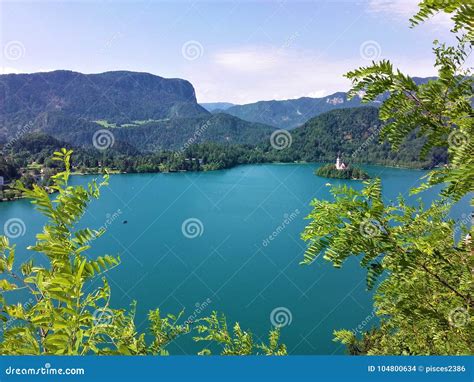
213	106
288	114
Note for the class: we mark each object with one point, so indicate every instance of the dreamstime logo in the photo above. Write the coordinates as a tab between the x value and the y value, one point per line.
287	219
370	50
370	228
281	139
192	50
103	139
13	50
374	133
457	139
464	221
14	228
196	135
280	317
360	328
111	41
102	317
289	41
192	228
47	369
12	320
20	133
458	317
200	307
110	218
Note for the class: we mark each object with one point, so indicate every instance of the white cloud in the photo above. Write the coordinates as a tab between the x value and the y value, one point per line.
400	8
404	9
316	94
9	70
246	59
241	77
12	70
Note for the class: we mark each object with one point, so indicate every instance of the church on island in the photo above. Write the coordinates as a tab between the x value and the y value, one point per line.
340	164
341	171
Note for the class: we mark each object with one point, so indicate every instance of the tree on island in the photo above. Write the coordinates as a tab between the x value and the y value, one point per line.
417	258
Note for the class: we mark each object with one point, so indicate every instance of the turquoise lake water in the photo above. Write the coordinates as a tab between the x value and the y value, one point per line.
224	260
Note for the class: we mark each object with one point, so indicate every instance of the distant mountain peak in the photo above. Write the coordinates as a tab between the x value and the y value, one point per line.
216	106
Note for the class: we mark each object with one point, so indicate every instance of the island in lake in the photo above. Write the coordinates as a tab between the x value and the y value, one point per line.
341	171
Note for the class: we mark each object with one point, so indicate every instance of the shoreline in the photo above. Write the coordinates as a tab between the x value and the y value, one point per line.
117	172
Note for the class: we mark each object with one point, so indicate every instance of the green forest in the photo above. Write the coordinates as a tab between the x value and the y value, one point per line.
354	132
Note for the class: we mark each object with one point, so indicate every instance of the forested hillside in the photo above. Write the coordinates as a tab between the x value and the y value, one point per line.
118	97
151	136
353	134
141	110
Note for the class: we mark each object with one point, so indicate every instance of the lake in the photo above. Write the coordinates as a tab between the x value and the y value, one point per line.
201	242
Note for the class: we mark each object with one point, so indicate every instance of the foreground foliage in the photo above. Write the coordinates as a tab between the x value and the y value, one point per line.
51	304
418	260
425	299
214	329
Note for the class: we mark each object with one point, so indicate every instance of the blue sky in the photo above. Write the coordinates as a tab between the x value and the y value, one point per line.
235	51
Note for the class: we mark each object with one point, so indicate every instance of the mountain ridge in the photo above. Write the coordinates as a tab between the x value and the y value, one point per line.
140	109
216	106
291	113
118	96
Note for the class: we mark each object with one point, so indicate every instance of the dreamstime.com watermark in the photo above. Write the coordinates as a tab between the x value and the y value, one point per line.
192	50
14	50
200	307
464	221
14	228
288	218
374	132
281	317
192	228
103	139
370	50
11	321
25	129
103	317
196	135
44	370
281	139
458	317
370	228
359	329
110	219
